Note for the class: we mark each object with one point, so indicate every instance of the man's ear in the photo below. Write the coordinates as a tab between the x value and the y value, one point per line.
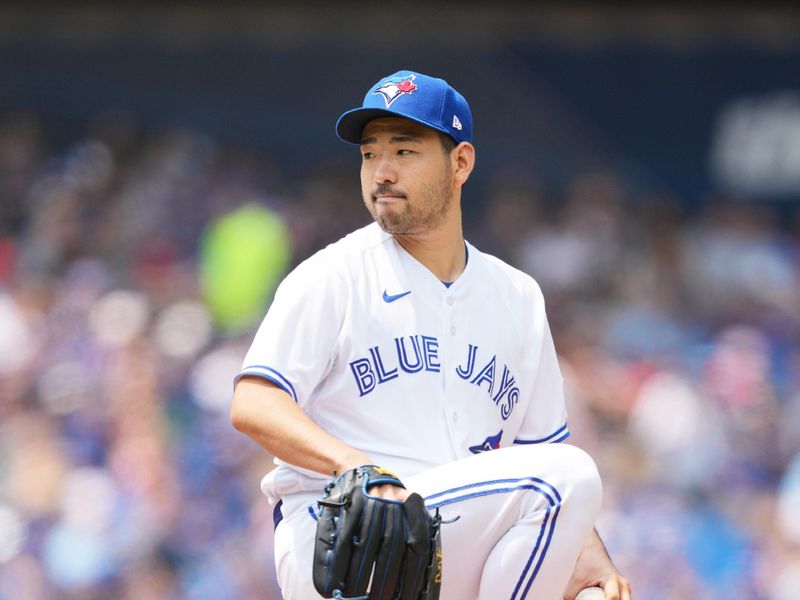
463	161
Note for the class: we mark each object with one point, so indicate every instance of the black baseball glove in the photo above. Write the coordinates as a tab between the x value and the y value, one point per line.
370	548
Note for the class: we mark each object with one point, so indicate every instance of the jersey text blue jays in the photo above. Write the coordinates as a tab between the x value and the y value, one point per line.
416	353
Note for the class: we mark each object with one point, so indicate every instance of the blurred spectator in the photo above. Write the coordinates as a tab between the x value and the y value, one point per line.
579	251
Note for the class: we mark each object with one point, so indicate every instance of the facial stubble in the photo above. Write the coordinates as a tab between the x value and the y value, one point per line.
428	211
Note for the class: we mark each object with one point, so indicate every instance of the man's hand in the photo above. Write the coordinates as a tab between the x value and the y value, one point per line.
594	568
390	492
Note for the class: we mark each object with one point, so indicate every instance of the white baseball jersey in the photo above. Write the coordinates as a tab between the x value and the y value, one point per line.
414	373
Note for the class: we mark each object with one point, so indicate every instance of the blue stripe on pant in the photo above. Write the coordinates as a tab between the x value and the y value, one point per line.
485	488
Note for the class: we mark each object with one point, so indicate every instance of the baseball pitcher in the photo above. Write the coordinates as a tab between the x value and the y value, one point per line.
408	387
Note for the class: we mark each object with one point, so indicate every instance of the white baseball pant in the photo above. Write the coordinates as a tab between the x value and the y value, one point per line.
524	512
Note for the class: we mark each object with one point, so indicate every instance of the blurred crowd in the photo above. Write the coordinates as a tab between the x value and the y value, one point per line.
678	330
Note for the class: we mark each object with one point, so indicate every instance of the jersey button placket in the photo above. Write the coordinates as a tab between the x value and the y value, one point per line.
450	302
451	381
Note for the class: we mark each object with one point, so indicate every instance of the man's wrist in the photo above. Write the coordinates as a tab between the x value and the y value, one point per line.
350	460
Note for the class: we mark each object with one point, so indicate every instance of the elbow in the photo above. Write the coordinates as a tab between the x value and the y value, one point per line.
238	414
254	406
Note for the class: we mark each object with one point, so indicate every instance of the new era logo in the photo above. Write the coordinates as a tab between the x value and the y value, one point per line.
457	123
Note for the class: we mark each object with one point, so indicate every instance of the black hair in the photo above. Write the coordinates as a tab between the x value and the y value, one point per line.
448	143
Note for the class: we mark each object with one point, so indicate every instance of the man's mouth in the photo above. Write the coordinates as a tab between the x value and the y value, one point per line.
388	197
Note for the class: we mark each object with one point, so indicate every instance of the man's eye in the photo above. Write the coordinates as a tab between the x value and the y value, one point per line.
405	152
367	155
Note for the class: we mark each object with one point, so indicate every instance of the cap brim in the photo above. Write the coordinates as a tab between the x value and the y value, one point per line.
350	125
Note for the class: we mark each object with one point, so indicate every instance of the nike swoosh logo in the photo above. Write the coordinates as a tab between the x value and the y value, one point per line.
388	298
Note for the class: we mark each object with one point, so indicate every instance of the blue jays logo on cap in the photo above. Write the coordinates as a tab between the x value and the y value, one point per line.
427	100
395	87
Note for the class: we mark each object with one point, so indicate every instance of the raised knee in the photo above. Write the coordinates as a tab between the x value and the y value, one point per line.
584	485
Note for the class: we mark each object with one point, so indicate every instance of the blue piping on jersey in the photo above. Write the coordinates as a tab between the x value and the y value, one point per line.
272	375
559	435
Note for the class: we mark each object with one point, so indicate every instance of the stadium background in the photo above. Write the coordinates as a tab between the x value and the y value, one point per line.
161	167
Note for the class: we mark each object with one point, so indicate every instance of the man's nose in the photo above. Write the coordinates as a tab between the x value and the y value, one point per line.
385	171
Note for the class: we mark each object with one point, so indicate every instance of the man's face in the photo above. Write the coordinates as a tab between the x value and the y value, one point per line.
406	177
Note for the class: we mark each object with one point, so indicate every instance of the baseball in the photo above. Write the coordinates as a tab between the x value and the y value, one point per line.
592	593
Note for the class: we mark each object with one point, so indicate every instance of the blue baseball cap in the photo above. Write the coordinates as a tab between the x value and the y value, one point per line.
427	100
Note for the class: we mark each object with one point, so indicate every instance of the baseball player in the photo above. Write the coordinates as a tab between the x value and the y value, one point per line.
405	347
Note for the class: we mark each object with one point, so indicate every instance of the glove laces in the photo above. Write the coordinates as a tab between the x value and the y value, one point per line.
337	595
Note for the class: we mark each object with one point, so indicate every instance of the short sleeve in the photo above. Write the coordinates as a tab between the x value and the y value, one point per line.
294	346
546	417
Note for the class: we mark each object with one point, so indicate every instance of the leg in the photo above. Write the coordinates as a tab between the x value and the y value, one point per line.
524	513
294	548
